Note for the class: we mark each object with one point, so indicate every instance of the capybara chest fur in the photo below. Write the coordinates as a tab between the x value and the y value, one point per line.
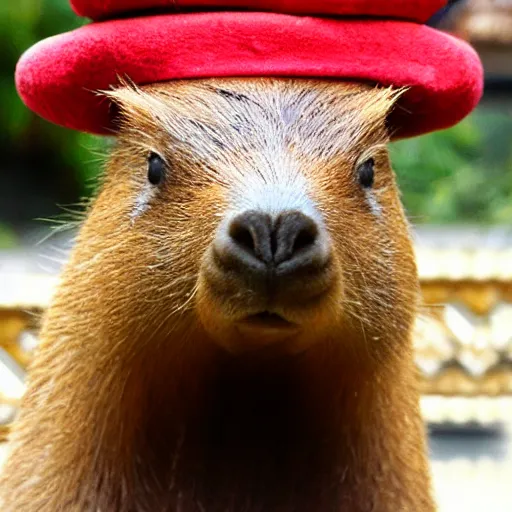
232	332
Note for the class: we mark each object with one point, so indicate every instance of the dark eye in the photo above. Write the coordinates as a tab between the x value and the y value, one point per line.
156	169
366	173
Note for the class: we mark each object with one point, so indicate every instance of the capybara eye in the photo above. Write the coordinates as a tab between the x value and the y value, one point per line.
156	169
366	173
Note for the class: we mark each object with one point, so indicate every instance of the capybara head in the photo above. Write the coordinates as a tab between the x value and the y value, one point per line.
261	213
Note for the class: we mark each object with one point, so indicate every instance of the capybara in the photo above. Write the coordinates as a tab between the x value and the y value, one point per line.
232	332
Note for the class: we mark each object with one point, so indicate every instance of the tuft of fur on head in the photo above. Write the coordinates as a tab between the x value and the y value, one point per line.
341	117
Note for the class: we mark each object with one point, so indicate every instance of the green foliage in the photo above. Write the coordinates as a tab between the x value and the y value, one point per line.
22	24
463	174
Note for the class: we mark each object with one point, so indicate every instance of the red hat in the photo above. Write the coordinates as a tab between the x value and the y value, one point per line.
59	77
413	10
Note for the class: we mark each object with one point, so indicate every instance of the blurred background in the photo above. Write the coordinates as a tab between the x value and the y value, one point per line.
457	189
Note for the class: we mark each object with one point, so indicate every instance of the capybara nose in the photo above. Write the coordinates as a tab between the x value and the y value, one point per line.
285	240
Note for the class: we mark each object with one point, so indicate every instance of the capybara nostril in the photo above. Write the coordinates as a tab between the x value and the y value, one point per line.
251	233
290	237
294	235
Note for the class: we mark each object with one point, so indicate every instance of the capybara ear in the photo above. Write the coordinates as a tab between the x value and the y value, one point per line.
378	107
135	109
366	113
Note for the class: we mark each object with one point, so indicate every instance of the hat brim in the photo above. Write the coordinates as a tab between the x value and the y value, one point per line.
59	77
418	10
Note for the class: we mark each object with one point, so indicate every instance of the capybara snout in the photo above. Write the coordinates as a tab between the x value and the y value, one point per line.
264	268
271	250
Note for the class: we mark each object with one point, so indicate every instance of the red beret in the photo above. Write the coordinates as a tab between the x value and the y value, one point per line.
414	10
58	78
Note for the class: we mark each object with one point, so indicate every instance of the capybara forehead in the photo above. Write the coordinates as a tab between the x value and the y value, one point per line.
319	118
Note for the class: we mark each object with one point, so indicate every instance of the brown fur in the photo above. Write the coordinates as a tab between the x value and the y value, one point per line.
132	403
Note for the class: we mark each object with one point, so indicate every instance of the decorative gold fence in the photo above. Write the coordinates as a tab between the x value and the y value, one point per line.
463	336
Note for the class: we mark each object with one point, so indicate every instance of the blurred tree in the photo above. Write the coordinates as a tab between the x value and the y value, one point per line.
463	174
41	164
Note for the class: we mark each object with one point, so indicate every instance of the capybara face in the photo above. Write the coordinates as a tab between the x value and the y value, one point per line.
264	211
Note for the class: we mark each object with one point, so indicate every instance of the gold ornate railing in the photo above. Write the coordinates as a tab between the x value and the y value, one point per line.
463	337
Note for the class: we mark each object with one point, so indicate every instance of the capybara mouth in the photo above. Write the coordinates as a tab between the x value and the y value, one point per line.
266	321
